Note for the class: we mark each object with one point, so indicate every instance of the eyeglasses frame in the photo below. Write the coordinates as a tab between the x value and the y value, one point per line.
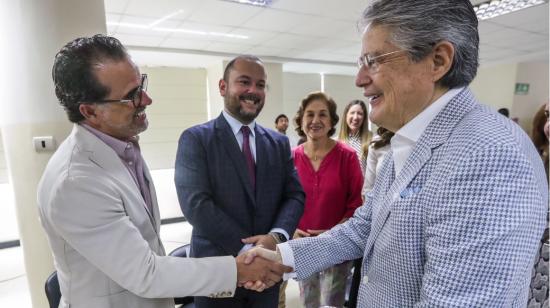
369	61
137	96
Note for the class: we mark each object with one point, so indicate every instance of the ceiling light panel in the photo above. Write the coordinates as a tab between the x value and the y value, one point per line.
263	3
494	8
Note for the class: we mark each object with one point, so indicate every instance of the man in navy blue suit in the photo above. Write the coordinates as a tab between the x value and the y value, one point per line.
236	181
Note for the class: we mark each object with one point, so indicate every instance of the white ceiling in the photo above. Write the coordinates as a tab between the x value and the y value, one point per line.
305	35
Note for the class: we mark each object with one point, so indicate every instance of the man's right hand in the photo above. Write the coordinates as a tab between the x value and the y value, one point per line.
261	272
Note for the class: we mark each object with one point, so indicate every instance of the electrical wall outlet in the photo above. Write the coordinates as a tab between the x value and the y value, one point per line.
44	144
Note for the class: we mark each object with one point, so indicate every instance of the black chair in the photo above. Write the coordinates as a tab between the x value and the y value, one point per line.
53	293
183	252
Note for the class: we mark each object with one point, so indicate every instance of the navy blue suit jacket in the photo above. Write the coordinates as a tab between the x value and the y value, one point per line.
216	195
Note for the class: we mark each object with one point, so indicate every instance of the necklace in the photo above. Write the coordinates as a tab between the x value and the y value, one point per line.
312	156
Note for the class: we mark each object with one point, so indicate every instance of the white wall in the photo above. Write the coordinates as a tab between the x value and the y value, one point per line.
3	166
295	88
525	106
274	95
179	101
343	90
494	86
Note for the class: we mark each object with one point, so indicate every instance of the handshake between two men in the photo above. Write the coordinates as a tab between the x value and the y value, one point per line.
260	268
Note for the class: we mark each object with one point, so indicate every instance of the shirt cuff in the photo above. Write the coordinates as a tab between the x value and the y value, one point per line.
282	231
287	258
245	248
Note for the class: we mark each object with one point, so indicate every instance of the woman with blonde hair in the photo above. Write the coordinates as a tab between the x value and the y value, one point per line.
354	130
331	177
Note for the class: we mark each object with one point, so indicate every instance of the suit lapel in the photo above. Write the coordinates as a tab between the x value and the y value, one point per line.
437	132
263	152
227	139
155	219
106	158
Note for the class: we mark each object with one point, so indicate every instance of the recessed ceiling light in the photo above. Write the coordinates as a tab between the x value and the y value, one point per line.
494	8
263	3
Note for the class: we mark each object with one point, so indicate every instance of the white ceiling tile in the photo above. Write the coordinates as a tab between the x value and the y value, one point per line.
115	6
183	43
255	37
113	17
158	9
321	27
324	30
522	16
224	13
291	41
276	21
140	20
205	27
265	51
486	27
228	48
139	40
312	7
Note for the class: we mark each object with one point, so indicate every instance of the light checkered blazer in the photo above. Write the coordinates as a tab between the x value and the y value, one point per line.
459	226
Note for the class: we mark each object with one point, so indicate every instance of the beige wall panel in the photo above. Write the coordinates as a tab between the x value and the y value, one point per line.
179	101
343	90
525	106
295	87
175	76
182	91
160	155
178	106
494	85
4	178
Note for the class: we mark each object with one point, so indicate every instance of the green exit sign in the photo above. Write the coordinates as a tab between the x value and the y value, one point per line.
522	88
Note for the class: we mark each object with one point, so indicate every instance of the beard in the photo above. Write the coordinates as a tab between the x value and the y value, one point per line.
234	107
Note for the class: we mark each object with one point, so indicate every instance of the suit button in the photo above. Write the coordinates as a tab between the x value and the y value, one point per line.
365	279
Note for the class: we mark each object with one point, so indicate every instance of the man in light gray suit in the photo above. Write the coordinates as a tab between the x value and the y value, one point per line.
460	203
97	200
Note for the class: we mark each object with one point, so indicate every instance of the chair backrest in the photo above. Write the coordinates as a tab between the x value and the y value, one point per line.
53	293
182	251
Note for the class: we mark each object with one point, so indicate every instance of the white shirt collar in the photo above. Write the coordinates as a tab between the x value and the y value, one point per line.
236	125
406	137
415	127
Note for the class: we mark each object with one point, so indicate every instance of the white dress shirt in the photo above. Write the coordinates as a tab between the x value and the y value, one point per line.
402	144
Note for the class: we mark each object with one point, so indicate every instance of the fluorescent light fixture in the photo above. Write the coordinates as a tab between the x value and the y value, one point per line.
494	8
197	32
152	26
263	3
158	21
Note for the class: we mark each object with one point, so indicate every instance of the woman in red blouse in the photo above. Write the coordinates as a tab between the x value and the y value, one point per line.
332	180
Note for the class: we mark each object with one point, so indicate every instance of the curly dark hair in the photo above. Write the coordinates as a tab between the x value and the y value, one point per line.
73	71
306	101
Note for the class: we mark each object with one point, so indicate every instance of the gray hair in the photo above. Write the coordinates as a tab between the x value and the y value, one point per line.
417	25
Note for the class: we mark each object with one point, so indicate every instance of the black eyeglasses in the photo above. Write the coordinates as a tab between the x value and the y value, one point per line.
136	98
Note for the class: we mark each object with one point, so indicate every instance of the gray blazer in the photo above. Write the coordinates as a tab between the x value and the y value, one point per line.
105	244
458	227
